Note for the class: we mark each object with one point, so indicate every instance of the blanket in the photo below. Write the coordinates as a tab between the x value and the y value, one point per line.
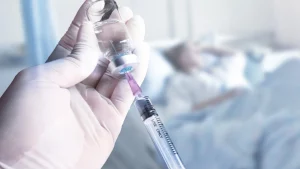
257	130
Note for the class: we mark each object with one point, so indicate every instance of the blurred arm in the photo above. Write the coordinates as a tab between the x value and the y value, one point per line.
216	100
218	50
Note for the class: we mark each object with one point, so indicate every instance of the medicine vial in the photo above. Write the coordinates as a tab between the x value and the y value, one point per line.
113	37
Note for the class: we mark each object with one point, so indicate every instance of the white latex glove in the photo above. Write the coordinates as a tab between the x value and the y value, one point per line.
68	113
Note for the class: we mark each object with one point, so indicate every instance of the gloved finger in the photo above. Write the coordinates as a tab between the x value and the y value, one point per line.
122	96
67	42
136	29
69	71
100	69
124	12
105	112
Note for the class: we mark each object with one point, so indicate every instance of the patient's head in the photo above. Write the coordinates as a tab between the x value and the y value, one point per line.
184	57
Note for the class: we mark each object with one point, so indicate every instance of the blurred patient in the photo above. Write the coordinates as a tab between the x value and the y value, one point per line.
205	76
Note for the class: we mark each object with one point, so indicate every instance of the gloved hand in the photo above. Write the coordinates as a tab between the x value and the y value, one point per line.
68	112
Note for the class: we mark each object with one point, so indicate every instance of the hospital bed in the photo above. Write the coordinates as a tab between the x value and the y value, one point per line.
134	149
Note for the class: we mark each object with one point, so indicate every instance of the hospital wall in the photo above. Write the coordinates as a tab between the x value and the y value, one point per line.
287	23
167	19
11	30
232	16
192	18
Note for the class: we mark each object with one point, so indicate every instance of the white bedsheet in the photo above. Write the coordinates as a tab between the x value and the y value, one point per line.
258	130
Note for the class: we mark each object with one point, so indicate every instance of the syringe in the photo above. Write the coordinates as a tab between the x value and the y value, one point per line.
155	127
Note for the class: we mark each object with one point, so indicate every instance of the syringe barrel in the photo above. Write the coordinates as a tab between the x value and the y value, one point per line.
158	133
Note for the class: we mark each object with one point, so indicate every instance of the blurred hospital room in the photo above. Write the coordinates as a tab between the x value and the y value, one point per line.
223	75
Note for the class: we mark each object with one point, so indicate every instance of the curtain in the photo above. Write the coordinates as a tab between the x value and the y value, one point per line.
39	30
